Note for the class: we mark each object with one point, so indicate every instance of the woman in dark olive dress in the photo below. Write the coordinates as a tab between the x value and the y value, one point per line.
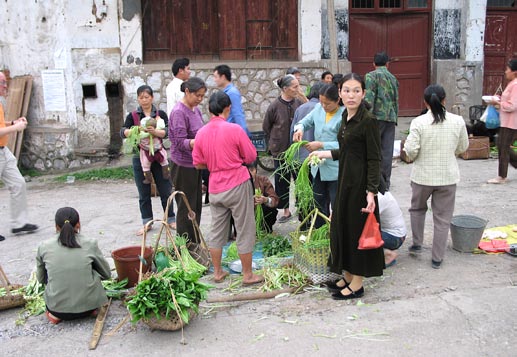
359	156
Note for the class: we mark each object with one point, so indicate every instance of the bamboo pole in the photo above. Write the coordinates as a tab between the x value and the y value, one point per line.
252	296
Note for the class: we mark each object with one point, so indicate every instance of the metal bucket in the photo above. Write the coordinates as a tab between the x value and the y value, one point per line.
466	232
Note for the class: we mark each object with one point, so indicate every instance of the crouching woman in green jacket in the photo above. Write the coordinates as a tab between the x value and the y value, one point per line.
72	267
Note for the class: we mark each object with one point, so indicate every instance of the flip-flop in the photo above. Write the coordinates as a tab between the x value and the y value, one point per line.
258	280
284	219
140	232
392	263
51	318
220	280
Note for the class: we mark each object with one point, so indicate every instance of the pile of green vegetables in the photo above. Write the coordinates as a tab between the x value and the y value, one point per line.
260	223
130	144
177	254
276	278
115	289
171	291
276	246
34	302
319	238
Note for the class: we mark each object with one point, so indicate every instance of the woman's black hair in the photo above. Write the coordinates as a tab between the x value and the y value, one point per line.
193	84
434	96
330	91
324	74
315	90
145	88
336	78
285	81
512	64
355	77
218	102
66	219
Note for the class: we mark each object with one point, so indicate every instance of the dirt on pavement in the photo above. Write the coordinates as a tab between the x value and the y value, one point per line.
465	308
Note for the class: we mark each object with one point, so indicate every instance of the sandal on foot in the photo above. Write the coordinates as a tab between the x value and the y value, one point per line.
353	294
284	219
51	318
334	288
497	180
257	280
141	231
222	278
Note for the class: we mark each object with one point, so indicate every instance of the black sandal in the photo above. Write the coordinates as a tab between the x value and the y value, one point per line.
354	294
334	288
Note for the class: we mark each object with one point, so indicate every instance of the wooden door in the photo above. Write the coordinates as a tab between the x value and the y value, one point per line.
500	47
405	37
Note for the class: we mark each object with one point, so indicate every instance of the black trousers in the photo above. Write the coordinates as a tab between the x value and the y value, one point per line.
187	180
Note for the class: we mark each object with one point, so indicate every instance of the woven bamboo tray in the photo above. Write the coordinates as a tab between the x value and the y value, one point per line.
173	323
9	300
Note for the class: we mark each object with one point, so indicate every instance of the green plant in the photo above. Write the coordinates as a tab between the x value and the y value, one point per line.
111	173
276	245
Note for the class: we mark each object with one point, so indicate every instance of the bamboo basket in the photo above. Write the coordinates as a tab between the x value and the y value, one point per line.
199	251
312	261
9	300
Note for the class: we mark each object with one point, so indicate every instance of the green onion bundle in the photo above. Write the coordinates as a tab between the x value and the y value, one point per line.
303	189
289	159
276	278
260	224
35	303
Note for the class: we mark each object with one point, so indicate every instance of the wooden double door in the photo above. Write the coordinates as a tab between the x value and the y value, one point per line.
405	37
500	47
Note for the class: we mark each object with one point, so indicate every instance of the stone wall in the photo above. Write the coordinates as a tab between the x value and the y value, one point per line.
256	82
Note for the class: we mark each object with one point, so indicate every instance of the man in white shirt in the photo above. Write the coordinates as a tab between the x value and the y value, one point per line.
181	72
393	227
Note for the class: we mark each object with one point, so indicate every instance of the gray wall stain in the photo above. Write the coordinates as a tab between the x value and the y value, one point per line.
130	8
447	33
342	34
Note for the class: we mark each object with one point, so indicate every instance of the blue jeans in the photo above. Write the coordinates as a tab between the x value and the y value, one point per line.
144	191
392	242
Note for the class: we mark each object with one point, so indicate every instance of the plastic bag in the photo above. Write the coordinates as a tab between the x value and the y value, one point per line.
491	117
371	236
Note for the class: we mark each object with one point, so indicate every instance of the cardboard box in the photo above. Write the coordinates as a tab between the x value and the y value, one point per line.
479	148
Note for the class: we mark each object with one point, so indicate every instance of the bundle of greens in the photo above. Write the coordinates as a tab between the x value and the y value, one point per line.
289	159
260	224
35	304
130	144
231	254
115	289
303	189
277	278
320	237
165	259
172	291
276	246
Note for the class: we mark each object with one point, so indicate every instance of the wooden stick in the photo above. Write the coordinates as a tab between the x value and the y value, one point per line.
99	325
251	296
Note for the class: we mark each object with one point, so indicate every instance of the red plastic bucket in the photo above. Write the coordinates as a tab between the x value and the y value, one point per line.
127	262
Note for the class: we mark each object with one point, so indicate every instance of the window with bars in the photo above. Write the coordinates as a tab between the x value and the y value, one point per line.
383	5
501	3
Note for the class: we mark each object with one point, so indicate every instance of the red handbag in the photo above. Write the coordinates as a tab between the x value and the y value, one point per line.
371	236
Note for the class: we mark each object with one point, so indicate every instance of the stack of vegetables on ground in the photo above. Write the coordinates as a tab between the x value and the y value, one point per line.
174	290
35	304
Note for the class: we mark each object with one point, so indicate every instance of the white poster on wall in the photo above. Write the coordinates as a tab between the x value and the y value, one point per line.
54	90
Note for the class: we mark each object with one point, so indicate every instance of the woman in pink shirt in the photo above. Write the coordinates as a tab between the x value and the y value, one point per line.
224	148
508	130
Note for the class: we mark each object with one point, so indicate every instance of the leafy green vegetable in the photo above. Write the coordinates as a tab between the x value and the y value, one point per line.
276	245
153	296
115	289
276	278
35	304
